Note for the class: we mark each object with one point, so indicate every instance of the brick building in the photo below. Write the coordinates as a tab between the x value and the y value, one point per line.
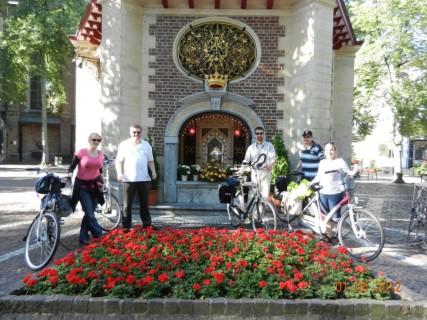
21	126
200	75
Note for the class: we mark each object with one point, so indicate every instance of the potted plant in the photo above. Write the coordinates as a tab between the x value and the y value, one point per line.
184	171
213	172
195	171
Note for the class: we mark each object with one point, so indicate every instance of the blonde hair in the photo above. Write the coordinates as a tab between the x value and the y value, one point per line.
94	134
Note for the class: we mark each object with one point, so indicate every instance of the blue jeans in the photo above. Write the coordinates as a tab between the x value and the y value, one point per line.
329	201
89	223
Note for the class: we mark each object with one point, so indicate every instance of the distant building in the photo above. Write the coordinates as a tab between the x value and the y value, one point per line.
201	75
20	125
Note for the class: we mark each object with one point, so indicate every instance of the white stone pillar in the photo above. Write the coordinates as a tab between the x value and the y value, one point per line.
308	72
111	75
342	120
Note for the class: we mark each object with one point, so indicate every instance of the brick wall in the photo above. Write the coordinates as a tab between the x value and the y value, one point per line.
171	85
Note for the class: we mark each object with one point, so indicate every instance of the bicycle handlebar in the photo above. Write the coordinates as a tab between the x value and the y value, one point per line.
38	170
109	161
257	163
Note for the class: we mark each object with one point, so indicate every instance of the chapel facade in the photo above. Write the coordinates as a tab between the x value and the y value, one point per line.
200	75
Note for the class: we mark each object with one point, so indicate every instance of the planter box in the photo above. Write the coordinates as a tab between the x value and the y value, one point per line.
197	192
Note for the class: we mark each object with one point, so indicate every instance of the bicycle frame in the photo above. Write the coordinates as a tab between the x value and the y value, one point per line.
321	220
246	206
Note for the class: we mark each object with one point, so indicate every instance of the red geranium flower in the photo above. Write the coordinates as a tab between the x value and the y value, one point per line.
163	277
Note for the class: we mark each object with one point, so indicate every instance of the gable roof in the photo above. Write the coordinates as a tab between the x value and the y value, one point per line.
90	28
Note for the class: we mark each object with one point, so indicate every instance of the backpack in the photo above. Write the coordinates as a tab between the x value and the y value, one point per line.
48	183
43	184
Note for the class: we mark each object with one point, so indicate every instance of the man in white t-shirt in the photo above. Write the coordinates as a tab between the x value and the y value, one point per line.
253	152
133	159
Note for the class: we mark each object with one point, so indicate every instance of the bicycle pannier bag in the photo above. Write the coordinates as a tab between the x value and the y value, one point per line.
65	205
226	193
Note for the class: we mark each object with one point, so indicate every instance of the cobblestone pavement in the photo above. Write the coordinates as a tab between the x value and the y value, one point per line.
404	263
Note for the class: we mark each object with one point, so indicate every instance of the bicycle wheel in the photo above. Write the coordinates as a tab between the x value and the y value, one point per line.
365	239
234	213
42	240
264	216
109	215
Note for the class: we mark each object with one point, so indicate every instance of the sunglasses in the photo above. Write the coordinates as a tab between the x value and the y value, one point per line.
136	132
259	133
96	140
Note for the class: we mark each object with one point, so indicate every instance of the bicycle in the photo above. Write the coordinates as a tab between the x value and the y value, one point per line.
42	237
109	214
358	229
417	229
260	211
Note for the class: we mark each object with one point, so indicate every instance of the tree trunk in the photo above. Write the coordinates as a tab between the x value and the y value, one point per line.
45	143
398	154
398	174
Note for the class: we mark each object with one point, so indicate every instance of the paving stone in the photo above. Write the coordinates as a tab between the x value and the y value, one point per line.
155	306
140	306
96	305
217	306
201	308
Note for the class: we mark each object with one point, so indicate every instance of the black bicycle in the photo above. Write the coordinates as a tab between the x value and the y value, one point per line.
417	229
240	206
42	237
108	215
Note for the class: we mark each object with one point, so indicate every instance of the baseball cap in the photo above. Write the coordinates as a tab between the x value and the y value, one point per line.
307	133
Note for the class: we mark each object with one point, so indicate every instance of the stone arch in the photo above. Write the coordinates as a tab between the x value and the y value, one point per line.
232	103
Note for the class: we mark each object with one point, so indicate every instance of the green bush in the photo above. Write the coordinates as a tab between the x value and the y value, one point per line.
421	169
281	168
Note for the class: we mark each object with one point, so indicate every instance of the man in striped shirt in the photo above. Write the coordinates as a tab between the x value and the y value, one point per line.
310	156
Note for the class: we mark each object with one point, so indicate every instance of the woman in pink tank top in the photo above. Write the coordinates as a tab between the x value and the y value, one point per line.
88	186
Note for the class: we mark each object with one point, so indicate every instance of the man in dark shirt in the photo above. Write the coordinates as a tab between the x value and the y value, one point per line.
310	156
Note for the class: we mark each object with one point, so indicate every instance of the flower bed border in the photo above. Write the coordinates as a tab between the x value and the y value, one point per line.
78	307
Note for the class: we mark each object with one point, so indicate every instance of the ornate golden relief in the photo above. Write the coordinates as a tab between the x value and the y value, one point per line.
216	52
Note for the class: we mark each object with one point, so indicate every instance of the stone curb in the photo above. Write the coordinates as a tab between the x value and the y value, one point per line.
79	307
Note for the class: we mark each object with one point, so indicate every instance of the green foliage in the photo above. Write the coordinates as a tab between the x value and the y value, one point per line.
281	168
391	65
421	169
300	190
35	42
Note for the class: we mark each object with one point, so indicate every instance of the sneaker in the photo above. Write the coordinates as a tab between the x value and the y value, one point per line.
84	242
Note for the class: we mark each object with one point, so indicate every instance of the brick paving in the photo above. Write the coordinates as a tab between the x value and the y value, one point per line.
402	262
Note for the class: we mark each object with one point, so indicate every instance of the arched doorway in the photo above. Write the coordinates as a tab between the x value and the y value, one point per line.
233	105
215	136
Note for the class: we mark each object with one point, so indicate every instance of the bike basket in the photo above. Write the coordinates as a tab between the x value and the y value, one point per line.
293	204
65	205
226	193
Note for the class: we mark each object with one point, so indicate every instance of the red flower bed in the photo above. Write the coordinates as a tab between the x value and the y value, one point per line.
208	263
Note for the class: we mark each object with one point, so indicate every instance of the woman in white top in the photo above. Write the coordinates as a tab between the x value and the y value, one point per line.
333	190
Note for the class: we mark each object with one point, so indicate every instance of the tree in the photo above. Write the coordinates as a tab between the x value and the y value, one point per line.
35	41
391	66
